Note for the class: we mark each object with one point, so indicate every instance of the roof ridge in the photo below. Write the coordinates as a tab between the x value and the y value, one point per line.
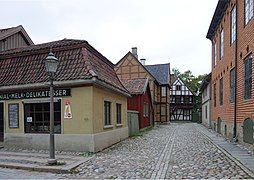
158	64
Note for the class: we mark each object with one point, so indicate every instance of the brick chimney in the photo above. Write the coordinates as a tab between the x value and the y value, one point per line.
134	51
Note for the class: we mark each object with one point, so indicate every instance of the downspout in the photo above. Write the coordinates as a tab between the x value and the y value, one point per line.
236	52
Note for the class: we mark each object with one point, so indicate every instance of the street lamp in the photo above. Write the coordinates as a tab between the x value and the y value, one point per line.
51	63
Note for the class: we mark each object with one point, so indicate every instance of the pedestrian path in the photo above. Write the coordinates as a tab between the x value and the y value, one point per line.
241	155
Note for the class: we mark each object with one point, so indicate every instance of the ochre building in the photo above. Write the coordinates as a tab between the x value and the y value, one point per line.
90	101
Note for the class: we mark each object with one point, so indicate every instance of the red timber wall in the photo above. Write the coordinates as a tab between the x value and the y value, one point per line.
136	103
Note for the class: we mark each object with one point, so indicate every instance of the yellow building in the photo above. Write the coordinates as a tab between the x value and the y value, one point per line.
90	101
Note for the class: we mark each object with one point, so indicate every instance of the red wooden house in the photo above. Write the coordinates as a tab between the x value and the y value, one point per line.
141	100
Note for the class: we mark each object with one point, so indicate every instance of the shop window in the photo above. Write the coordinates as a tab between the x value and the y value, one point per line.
118	113
107	113
37	117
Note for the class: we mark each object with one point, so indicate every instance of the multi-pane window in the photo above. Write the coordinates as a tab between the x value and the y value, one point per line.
178	87
221	43
163	110
206	112
215	54
107	113
118	113
214	95
163	91
247	77
232	85
221	91
37	117
233	25
146	110
248	7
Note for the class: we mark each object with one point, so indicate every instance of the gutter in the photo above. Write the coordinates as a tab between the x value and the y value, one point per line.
236	52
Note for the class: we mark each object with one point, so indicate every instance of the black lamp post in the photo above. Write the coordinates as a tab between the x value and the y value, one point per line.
51	64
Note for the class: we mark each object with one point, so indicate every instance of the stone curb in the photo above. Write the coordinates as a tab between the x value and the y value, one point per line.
52	169
244	168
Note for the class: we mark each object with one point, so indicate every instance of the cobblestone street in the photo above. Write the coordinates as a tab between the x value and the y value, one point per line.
167	151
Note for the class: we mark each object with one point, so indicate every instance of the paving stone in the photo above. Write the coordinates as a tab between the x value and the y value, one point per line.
175	151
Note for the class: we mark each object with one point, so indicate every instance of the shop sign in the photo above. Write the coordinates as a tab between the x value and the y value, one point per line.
67	110
35	94
29	119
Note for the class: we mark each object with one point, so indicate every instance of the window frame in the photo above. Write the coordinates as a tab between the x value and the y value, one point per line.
221	44
118	113
232	85
163	91
248	79
248	13
214	95
221	91
107	109
233	22
215	54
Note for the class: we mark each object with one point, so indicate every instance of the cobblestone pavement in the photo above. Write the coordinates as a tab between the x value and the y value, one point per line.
167	151
21	174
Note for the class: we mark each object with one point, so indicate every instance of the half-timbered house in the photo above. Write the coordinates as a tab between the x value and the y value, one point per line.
181	100
130	67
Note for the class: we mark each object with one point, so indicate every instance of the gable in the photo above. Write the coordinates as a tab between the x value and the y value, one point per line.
16	40
130	68
182	88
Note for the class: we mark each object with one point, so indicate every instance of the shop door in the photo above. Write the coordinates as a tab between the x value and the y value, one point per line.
1	122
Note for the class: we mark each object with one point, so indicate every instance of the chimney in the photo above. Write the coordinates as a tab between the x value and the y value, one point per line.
143	61
134	51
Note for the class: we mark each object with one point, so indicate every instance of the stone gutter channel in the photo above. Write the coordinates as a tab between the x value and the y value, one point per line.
162	165
241	157
38	162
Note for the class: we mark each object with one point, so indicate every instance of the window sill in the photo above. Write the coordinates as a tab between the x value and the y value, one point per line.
119	125
108	127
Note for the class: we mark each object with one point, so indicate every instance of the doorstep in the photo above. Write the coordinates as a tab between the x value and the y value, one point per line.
38	162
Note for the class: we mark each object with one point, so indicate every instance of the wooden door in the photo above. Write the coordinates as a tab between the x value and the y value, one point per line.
1	122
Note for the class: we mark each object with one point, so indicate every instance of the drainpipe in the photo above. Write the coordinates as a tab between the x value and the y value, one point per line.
236	48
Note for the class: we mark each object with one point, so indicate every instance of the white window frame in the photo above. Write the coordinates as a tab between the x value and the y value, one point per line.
221	44
163	91
233	25
248	10
215	53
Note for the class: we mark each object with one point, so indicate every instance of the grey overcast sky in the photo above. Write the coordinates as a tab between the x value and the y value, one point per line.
163	30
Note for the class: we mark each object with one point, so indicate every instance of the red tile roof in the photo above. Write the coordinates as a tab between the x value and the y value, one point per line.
136	86
78	61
